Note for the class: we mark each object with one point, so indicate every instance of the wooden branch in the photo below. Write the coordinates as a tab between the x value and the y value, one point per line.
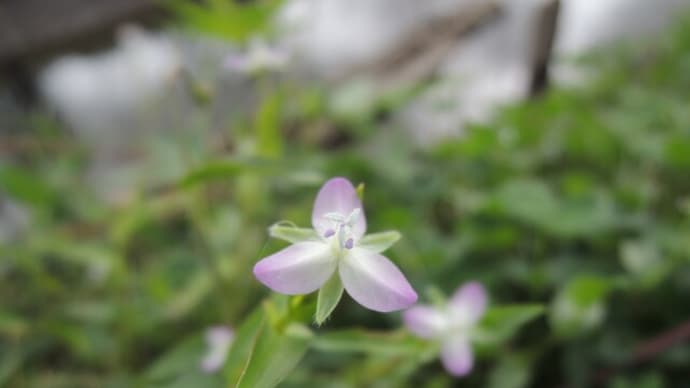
419	55
544	36
30	28
645	352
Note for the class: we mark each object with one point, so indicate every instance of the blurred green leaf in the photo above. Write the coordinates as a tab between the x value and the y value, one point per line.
268	127
243	345
500	323
223	18
274	356
643	260
361	341
182	359
24	186
290	233
512	371
217	170
579	305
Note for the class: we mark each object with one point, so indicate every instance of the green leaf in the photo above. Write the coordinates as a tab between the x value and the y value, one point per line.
290	233
225	19
329	296
533	202
362	341
25	186
220	170
274	356
183	358
512	371
579	305
243	345
643	261
268	127
11	361
379	242
502	322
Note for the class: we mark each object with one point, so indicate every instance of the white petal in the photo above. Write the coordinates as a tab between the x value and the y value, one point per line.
219	339
375	282
298	269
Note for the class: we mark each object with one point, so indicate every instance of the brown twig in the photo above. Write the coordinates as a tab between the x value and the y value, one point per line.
644	352
421	52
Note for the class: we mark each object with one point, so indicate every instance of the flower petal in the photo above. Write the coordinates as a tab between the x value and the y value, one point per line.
375	282
470	298
424	321
298	269
456	356
338	196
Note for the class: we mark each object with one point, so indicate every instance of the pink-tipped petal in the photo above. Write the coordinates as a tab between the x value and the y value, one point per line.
375	282
424	321
456	356
337	196
298	269
471	298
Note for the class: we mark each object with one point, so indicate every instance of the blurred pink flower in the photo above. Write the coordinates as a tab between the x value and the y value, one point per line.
338	218
218	340
259	56
452	325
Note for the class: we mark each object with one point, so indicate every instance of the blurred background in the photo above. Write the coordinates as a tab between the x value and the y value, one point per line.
539	146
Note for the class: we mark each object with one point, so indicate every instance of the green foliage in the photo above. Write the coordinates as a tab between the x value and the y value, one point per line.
224	18
379	242
502	322
328	298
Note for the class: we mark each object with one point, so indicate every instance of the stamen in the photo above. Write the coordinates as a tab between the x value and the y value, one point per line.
342	226
353	217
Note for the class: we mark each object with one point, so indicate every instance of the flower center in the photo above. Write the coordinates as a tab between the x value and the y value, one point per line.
459	321
341	227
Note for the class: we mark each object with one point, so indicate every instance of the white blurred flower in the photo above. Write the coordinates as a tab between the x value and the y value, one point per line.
259	56
218	340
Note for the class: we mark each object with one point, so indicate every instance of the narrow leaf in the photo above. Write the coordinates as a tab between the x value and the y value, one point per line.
329	296
379	242
291	233
217	170
361	341
243	346
274	356
502	322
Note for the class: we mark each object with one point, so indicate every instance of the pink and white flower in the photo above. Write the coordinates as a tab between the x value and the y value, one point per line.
453	325
338	247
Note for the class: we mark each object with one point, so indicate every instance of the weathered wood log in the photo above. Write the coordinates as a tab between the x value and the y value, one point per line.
34	29
545	34
420	53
